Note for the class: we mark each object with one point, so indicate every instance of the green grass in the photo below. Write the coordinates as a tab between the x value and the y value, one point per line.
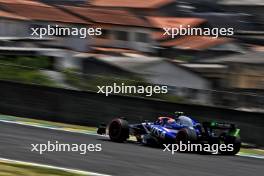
184	58
24	75
252	151
48	123
14	169
39	62
25	69
90	82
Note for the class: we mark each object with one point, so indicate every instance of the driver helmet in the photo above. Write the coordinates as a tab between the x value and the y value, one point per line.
186	121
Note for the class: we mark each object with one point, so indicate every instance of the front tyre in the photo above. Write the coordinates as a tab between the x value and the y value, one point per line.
118	130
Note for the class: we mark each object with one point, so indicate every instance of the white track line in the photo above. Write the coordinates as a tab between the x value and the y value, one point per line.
50	128
250	155
52	167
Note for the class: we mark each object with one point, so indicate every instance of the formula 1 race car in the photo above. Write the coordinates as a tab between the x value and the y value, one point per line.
174	130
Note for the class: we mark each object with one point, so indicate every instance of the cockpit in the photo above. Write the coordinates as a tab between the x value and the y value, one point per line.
180	122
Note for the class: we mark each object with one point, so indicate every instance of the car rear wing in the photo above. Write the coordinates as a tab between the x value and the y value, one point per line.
219	125
232	129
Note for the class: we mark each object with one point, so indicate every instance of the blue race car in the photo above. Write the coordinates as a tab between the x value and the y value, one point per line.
174	130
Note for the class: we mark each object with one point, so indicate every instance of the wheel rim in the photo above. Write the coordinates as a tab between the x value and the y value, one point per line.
114	129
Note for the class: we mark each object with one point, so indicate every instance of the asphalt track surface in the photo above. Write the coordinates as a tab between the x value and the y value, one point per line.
119	159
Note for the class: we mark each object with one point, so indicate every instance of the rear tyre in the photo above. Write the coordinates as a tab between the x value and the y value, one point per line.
185	135
118	130
235	141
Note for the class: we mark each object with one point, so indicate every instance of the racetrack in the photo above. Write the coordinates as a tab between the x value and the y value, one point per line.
118	159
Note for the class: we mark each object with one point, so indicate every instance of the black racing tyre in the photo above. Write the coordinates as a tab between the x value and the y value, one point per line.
184	135
235	141
118	130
